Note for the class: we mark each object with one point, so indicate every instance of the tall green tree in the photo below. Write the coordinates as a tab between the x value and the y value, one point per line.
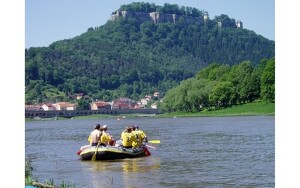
222	94
198	94
268	82
240	76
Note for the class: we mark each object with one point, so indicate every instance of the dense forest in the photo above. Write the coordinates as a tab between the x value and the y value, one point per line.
219	86
126	58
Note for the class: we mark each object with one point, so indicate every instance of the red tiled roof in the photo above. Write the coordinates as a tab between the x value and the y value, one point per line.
100	104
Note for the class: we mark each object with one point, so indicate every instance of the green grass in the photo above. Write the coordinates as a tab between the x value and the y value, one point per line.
255	108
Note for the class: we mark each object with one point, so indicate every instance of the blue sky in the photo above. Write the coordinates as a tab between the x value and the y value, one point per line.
47	21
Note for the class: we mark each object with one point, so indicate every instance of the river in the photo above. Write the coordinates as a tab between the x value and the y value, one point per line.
194	152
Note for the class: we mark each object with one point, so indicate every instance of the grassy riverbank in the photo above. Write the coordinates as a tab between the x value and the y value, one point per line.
255	108
30	180
250	109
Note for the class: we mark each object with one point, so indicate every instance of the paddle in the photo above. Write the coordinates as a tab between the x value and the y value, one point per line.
152	147
154	141
147	152
94	155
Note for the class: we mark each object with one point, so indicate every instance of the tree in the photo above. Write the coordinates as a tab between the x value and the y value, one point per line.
225	20
168	101
251	89
198	94
31	71
239	76
83	104
222	94
204	73
268	82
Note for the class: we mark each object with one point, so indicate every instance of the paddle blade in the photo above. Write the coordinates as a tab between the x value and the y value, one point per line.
94	157
95	154
147	152
154	141
78	152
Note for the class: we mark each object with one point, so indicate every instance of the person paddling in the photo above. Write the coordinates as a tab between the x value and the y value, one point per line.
138	138
106	139
96	135
142	133
127	137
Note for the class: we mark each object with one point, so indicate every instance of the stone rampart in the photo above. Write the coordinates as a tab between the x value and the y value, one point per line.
156	17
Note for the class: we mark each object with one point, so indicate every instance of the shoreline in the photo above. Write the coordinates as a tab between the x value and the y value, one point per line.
250	109
257	108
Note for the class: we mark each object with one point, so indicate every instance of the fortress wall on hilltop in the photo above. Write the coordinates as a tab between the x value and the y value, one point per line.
156	17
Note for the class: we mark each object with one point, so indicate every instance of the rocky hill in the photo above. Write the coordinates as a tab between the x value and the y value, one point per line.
143	48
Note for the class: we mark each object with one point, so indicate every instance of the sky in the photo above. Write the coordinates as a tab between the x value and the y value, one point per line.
47	21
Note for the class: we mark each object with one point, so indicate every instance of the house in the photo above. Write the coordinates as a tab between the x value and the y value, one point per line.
148	97
100	105
144	101
33	107
239	24
123	103
137	106
48	107
156	94
154	105
65	106
79	96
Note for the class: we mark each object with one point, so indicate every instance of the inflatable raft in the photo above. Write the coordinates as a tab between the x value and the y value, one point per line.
112	152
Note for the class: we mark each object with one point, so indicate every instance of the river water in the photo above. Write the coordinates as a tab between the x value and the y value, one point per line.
194	152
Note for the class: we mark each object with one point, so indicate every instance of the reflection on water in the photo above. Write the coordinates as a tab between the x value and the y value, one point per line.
140	165
135	165
129	171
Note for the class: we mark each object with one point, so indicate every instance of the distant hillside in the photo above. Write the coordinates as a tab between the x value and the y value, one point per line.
133	55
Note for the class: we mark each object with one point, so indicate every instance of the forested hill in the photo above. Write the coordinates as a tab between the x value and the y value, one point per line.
130	57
